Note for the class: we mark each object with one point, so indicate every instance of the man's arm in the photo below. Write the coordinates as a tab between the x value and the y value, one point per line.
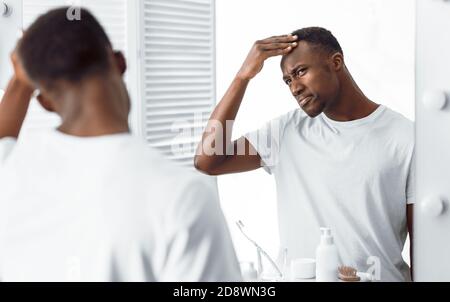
410	222
13	108
211	157
15	101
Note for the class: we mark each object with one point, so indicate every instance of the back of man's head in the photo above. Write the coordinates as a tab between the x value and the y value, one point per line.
55	49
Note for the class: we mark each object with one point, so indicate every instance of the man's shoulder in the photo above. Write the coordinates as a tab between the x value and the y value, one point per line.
187	197
400	130
400	124
399	118
155	163
165	191
179	182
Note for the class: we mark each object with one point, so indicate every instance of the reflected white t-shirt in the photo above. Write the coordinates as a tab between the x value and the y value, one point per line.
354	177
107	209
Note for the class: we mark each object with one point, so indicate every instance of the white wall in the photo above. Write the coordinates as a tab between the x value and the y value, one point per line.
377	37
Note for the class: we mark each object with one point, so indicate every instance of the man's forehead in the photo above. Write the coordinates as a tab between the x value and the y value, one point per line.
304	53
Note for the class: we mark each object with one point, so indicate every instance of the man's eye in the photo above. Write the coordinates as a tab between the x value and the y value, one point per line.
301	72
288	82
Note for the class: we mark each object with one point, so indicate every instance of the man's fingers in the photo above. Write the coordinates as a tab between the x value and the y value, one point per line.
274	46
279	52
279	39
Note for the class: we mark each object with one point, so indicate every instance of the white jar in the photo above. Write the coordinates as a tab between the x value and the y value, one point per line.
303	268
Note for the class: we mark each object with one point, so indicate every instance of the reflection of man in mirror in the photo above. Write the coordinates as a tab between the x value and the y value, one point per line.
340	160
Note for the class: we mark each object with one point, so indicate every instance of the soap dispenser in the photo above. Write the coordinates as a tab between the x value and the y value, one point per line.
327	259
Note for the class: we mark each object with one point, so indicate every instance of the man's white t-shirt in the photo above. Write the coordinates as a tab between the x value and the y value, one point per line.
354	177
107	209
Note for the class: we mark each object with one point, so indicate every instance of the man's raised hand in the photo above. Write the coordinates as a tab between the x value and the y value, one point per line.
264	49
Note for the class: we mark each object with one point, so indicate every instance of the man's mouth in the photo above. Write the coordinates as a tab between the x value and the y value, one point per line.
304	101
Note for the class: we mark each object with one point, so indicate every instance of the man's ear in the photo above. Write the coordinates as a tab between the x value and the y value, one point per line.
120	61
337	61
45	102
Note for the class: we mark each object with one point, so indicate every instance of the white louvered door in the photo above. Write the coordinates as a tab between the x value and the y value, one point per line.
178	74
112	14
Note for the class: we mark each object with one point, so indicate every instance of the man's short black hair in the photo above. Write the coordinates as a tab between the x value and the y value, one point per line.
55	48
319	37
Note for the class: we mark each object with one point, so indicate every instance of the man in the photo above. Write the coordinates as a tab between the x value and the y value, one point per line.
340	160
88	202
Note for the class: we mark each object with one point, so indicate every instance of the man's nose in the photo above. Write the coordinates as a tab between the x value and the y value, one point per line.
297	87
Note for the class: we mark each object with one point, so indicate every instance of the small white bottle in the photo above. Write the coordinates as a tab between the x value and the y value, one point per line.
327	259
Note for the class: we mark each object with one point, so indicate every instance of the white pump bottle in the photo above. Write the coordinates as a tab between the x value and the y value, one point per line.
327	259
